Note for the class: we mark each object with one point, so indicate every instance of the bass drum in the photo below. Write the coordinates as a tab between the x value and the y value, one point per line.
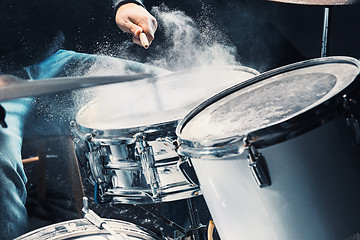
83	229
125	137
275	156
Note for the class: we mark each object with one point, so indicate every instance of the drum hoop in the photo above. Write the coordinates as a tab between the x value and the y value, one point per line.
126	226
165	129
275	133
162	127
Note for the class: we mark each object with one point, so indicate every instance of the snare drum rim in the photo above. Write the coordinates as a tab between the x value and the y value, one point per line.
274	133
162	127
165	129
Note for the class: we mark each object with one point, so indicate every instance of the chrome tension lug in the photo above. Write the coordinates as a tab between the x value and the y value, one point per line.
146	155
257	165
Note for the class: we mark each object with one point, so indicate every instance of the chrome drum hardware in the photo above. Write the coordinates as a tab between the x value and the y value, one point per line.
133	170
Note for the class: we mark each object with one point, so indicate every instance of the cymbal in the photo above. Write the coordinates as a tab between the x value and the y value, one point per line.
319	2
13	87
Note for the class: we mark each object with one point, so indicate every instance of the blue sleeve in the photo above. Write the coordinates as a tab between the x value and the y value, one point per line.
117	3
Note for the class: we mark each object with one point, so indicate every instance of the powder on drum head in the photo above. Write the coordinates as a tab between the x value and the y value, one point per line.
164	99
269	101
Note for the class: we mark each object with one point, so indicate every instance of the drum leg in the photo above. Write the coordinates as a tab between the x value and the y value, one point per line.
167	221
197	230
75	177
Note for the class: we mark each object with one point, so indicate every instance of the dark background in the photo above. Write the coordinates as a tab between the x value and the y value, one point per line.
265	34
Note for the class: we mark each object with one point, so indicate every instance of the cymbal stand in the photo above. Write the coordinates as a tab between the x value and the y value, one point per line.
197	230
325	34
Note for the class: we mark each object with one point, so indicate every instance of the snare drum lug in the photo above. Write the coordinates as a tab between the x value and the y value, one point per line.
88	138
257	165
146	154
181	165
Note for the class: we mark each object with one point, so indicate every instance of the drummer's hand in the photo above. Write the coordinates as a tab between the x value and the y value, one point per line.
133	18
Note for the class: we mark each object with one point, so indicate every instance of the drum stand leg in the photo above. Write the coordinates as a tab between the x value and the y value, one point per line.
164	219
197	230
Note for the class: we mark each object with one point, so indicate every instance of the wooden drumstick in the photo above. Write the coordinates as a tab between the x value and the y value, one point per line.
144	41
32	159
210	230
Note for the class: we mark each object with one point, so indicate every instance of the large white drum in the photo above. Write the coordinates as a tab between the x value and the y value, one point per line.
125	136
276	157
83	229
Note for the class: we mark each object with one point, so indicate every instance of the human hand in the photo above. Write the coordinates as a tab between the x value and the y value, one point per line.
135	19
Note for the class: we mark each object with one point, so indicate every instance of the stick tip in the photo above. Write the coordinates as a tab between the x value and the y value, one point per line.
144	41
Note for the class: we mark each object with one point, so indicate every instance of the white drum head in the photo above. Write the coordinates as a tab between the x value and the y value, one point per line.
163	99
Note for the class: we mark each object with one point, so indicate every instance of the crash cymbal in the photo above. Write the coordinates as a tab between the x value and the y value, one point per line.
13	87
319	2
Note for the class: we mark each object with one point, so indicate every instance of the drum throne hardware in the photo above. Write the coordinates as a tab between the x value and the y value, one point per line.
327	15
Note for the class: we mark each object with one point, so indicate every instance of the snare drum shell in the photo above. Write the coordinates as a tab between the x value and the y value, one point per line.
314	192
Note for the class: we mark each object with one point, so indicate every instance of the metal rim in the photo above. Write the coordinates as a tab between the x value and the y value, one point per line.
83	228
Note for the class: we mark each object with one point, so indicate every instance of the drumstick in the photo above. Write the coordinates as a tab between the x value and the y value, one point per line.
210	230
32	159
144	41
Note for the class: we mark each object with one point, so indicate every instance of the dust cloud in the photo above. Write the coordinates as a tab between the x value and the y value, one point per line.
190	43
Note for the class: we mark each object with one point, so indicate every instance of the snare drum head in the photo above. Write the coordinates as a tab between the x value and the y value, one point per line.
83	229
154	101
272	99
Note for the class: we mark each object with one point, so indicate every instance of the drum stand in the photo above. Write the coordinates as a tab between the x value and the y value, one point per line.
325	32
327	4
196	231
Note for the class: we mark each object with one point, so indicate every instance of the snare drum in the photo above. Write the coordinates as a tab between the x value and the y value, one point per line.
275	156
83	229
125	140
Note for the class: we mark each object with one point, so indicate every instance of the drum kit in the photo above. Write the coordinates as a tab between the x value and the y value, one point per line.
275	155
